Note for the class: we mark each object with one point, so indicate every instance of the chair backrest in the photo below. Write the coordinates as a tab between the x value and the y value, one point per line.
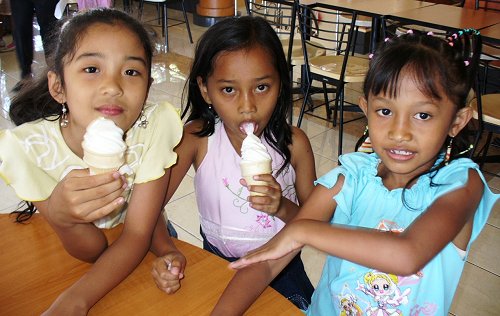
493	5
323	30
281	15
489	72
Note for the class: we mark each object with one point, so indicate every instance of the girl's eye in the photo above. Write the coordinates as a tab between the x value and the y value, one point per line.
131	72
90	70
228	90
262	88
384	112
422	116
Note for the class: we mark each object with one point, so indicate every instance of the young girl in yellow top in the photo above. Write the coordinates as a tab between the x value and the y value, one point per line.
101	67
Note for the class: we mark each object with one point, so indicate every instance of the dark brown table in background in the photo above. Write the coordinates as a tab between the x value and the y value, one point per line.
35	269
372	8
491	33
448	18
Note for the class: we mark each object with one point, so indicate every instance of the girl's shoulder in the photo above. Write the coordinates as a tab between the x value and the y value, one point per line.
354	165
299	137
159	112
193	127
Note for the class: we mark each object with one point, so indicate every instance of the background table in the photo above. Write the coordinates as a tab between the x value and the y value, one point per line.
371	8
492	33
448	17
35	269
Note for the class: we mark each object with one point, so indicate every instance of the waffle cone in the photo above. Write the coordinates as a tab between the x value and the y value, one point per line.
101	163
250	169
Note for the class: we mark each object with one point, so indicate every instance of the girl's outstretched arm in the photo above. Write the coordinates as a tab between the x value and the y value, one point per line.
448	219
250	281
120	258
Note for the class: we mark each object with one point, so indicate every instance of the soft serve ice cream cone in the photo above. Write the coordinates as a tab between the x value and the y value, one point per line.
103	146
255	159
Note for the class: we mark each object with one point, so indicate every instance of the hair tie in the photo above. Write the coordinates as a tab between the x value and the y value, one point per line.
455	36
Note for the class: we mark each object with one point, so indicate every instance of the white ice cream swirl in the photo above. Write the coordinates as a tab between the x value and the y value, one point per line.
103	136
252	149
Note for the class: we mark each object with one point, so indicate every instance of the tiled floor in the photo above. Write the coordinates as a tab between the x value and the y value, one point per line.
480	283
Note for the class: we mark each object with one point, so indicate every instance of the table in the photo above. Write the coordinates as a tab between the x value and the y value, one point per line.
371	8
35	269
446	17
491	33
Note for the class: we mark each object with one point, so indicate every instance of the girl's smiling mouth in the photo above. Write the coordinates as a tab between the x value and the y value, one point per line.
400	154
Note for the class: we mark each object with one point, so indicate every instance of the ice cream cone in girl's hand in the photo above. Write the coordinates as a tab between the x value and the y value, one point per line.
255	159
103	146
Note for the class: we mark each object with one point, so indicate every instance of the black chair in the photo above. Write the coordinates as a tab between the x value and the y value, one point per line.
334	69
487	104
493	5
162	7
282	16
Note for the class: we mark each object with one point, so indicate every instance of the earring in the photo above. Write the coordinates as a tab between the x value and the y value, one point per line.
64	116
143	120
448	152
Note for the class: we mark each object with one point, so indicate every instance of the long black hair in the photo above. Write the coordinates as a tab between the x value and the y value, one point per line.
436	64
233	34
34	100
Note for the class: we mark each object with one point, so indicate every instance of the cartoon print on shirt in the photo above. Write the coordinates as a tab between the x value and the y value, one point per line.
348	303
385	291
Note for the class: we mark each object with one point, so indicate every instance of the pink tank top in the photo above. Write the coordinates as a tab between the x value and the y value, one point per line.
227	220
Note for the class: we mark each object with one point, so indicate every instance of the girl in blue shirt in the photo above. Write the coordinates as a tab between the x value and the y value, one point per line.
397	224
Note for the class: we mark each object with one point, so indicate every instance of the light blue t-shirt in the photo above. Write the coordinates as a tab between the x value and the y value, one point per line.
346	288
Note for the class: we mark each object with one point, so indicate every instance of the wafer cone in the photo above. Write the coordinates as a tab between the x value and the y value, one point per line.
101	163
250	169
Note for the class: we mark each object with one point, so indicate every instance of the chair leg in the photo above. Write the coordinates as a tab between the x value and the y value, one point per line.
141	7
158	7
165	25
304	103
327	102
187	22
485	150
339	103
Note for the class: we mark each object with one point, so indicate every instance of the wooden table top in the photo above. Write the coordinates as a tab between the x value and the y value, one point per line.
492	33
448	17
35	269
371	7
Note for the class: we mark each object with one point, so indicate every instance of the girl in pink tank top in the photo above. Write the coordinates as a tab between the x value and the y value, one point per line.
239	76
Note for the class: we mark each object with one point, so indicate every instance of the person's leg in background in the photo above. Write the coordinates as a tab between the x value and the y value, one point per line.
44	11
22	19
5	26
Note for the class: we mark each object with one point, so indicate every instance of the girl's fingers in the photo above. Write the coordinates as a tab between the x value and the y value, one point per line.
95	191
78	180
104	210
